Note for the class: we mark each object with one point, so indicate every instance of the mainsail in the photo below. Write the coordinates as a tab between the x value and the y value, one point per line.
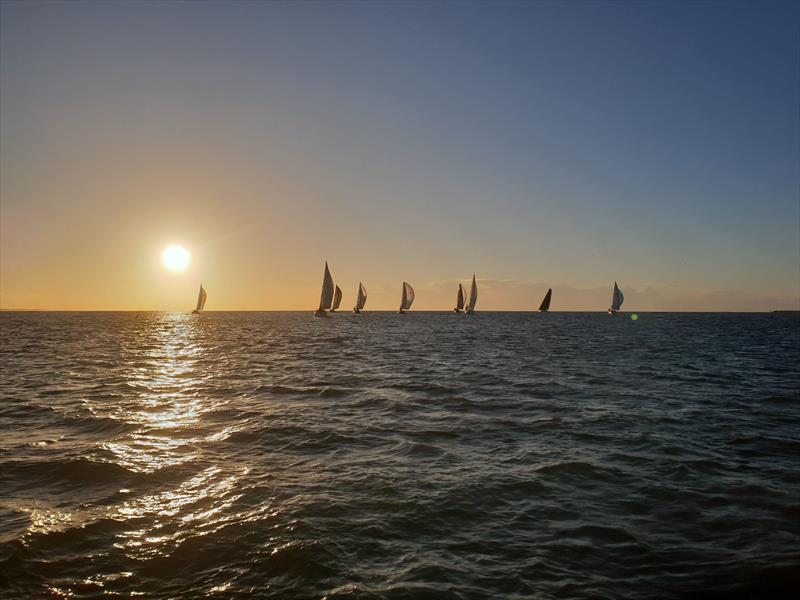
337	298
326	298
545	305
362	297
408	297
460	299
473	296
201	299
617	299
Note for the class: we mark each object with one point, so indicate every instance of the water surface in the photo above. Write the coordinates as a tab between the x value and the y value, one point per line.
385	456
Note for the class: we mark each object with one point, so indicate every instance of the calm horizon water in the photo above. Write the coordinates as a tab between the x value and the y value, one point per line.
428	455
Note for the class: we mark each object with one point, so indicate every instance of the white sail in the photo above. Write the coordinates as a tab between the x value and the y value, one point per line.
362	297
326	298
617	298
201	299
473	295
337	298
460	298
408	297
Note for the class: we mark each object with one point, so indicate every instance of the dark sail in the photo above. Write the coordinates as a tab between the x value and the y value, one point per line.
545	306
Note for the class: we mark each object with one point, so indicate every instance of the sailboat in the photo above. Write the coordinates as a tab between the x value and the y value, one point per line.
361	300
616	300
545	305
407	299
337	299
201	301
459	300
326	298
473	297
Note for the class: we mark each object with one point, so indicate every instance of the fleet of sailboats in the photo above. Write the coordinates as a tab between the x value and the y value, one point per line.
331	298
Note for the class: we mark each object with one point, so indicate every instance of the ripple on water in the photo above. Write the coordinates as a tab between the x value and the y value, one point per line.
275	455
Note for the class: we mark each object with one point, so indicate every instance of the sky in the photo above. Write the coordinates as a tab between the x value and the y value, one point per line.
535	144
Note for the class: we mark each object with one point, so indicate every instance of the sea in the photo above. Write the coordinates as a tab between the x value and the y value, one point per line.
386	456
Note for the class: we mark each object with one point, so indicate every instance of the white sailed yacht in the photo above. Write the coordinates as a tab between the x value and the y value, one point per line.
616	300
459	300
545	305
337	299
407	299
326	298
362	298
201	301
473	297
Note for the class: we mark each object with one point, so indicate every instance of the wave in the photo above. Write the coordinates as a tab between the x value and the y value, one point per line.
429	456
76	471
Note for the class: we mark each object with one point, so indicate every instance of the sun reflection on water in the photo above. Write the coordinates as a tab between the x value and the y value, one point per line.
169	402
170	382
165	403
198	506
165	488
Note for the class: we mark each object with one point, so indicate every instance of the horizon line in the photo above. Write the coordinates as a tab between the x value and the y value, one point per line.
344	312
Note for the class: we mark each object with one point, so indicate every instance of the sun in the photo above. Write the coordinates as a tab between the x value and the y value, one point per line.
176	258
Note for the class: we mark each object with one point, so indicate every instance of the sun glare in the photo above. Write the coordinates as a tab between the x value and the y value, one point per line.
175	258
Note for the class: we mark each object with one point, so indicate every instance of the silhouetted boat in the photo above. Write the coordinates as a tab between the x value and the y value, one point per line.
201	300
361	300
337	299
616	300
459	300
407	299
326	298
545	305
473	297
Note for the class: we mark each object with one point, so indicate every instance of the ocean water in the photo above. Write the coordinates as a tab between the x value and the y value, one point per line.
430	455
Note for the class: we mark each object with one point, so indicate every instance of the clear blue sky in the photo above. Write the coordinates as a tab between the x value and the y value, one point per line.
572	143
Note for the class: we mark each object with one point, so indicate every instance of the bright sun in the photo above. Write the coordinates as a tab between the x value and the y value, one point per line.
175	258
